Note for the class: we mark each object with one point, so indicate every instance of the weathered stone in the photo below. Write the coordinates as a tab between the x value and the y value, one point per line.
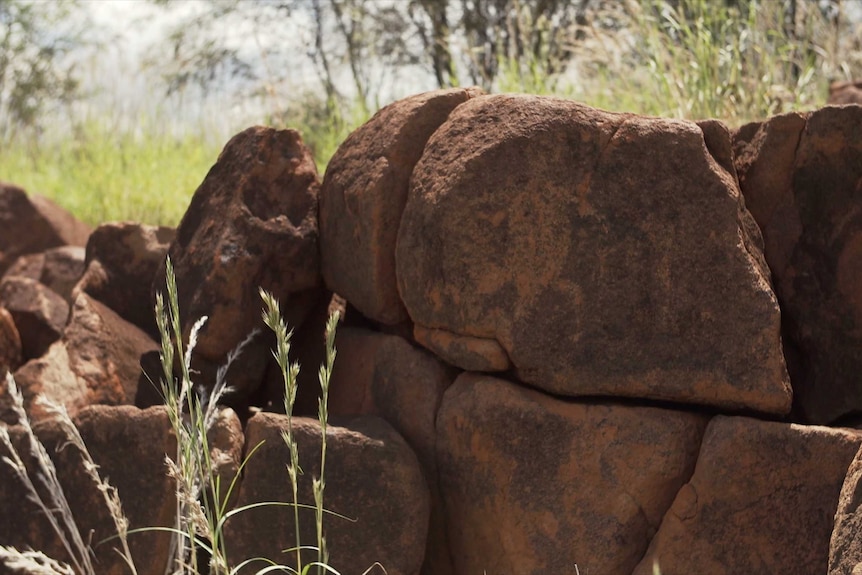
371	475
252	223
58	268
40	314
842	93
603	254
845	546
762	500
10	344
122	260
364	193
801	176
50	375
34	224
535	485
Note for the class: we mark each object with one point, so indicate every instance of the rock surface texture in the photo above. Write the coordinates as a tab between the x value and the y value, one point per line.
801	175
601	254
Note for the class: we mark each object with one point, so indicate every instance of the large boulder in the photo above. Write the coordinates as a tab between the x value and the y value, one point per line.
594	253
363	195
801	176
40	314
372	477
762	500
533	484
58	268
122	260
30	224
252	223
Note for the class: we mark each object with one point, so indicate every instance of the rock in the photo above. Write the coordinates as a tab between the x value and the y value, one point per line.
800	174
10	344
575	243
842	93
533	484
57	268
40	314
762	500
371	476
363	195
34	224
50	375
122	261
384	375
845	546
252	223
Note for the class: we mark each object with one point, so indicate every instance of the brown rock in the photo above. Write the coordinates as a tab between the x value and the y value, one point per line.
801	175
536	485
58	268
842	93
845	546
10	344
40	314
34	224
50	375
252	223
372	476
761	500
122	260
364	193
576	242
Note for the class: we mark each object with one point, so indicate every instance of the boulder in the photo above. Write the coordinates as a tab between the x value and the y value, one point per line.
40	314
842	93
10	344
50	375
801	174
762	500
573	245
123	258
30	224
372	477
252	223
533	484
58	268
363	195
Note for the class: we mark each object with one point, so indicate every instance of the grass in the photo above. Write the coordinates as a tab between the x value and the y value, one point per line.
202	502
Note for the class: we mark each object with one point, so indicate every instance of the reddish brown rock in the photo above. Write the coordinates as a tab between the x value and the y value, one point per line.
364	193
576	244
842	93
802	178
845	545
372	476
762	500
536	485
10	344
252	223
50	375
40	314
34	224
122	260
58	268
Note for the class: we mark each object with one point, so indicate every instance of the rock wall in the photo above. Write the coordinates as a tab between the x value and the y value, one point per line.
570	338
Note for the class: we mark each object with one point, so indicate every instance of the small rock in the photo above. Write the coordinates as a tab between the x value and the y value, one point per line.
40	314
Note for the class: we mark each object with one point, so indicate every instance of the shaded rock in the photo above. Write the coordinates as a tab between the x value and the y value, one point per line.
577	242
363	195
252	223
122	260
34	224
801	176
372	476
536	485
842	93
10	344
58	268
762	500
40	314
385	375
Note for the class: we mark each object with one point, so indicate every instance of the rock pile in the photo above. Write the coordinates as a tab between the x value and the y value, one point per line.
572	337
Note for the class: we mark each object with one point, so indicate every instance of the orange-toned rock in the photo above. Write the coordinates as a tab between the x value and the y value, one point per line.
842	93
801	175
252	223
533	484
363	194
10	344
372	476
762	500
49	375
122	260
40	314
34	224
58	268
577	243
